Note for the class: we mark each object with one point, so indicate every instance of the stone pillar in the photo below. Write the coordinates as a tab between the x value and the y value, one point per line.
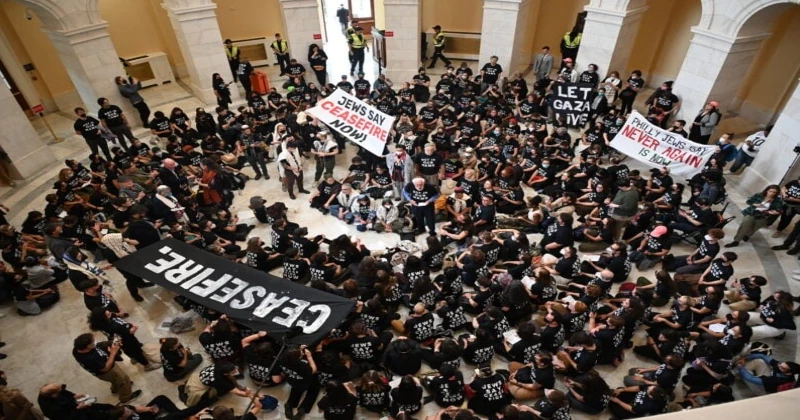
302	22
776	156
26	151
609	34
92	63
402	49
502	20
714	69
199	38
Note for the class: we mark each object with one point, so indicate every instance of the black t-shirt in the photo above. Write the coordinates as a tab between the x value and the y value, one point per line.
88	128
420	196
428	164
257	365
420	328
94	361
295	270
448	391
160	124
111	115
404	402
491	72
171	359
375	401
644	405
221	346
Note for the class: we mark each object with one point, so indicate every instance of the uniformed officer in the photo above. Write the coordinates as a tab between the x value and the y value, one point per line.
281	49
438	47
357	44
232	52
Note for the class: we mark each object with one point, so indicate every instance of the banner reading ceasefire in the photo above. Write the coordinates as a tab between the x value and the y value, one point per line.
358	122
655	147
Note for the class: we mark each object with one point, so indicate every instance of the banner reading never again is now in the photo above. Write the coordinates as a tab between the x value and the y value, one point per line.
358	122
250	297
655	147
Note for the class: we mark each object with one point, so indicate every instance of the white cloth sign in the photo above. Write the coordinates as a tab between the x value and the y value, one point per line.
358	122
655	147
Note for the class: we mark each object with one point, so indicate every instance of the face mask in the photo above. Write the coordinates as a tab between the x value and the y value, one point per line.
213	226
609	250
496	132
388	207
563	252
709	238
545	165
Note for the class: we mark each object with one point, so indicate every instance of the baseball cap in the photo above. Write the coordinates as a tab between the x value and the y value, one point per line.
659	231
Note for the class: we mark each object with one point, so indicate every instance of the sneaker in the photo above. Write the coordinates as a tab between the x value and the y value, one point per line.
781	337
793	251
289	412
138	298
134	395
732	244
258	176
779	247
2	344
3	356
152	366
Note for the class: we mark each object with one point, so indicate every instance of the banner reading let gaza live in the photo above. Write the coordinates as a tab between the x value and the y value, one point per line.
571	102
357	121
250	297
655	147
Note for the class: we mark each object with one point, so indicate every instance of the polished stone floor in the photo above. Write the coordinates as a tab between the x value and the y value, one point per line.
39	348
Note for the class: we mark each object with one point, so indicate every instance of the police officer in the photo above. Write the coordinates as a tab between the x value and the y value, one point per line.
254	151
438	47
357	44
233	53
281	50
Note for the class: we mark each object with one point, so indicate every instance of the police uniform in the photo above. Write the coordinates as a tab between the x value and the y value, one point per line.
358	43
281	50
438	50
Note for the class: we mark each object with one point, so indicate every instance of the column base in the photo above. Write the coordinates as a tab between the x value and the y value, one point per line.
29	165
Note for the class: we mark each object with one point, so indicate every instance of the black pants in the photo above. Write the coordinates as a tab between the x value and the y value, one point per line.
322	76
290	180
132	348
424	217
357	58
122	132
438	52
311	393
283	61
98	143
244	79
791	240
167	410
627	104
786	217
234	66
144	112
132	283
257	160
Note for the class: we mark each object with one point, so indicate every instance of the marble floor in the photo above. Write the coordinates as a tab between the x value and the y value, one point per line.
39	348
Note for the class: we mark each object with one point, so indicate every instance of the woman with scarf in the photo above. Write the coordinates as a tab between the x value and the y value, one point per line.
401	168
80	269
211	184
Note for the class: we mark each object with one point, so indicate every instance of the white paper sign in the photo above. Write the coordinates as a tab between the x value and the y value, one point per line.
355	120
655	147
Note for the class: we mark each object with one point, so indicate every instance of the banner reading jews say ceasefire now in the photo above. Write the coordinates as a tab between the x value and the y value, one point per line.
357	121
655	147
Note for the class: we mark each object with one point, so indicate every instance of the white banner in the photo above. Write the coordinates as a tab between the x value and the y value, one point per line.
655	147
357	121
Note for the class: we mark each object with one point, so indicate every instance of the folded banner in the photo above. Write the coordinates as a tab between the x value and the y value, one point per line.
250	297
572	102
655	147
358	122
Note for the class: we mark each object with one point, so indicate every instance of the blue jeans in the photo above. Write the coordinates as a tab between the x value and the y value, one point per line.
334	209
742	159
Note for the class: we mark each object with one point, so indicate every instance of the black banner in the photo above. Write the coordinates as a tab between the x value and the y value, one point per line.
572	102
253	298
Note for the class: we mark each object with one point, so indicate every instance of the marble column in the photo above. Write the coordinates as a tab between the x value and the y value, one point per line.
402	49
303	22
609	34
714	69
200	40
776	157
502	21
92	63
26	151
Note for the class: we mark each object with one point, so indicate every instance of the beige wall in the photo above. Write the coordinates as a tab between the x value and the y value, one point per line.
242	19
663	39
380	14
38	49
552	21
18	48
775	68
452	15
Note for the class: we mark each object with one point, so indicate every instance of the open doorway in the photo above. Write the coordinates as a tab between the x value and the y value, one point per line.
361	13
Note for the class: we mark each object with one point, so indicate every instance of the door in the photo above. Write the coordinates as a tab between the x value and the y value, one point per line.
362	13
9	83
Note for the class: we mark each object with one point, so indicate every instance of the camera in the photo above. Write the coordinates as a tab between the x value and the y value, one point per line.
797	149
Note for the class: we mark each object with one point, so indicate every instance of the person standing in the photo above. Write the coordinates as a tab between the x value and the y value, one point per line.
233	53
89	128
243	73
115	121
344	16
291	165
632	87
570	44
421	196
357	44
543	64
438	47
281	49
490	73
325	151
102	364
749	149
624	206
318	61
704	123
254	152
131	91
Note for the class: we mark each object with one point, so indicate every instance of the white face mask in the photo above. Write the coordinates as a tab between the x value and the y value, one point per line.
709	238
609	250
564	252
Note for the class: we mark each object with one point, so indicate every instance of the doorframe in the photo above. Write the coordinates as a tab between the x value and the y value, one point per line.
21	78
